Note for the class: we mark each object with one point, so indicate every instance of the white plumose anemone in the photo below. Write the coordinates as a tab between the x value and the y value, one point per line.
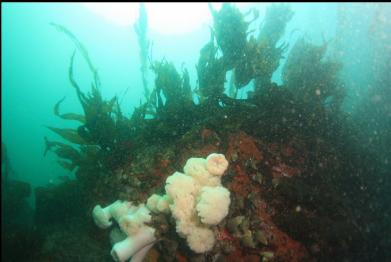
213	204
133	245
196	200
102	216
201	240
216	164
131	220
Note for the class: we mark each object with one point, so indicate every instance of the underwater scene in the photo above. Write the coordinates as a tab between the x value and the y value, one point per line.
196	132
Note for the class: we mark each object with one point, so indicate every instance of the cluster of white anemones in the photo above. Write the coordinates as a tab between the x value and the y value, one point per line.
131	220
195	198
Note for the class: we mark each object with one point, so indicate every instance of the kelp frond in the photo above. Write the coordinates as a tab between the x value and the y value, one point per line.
273	26
68	134
230	30
82	98
70	156
67	164
141	29
50	144
82	50
67	116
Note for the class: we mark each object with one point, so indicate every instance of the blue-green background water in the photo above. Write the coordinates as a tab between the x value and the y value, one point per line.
35	61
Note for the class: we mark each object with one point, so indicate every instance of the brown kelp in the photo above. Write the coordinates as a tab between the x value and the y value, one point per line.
169	83
67	116
272	29
249	57
211	73
102	122
230	31
82	49
141	28
317	81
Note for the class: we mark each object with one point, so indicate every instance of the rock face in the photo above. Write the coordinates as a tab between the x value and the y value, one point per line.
58	204
19	239
249	228
14	203
273	216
